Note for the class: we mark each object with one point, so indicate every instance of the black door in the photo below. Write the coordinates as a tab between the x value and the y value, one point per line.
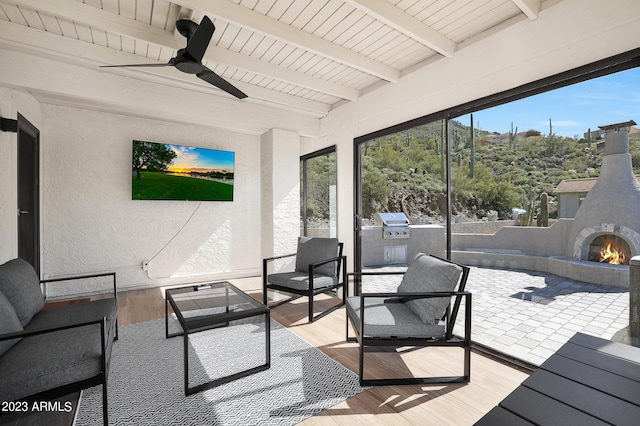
29	192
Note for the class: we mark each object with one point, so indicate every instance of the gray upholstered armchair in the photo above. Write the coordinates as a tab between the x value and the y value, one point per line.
320	268
420	313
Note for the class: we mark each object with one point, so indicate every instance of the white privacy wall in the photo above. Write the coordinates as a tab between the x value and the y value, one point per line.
91	223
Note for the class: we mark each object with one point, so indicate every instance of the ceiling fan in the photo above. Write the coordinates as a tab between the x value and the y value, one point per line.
189	59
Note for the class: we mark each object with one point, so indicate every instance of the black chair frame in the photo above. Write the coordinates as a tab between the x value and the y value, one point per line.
448	340
310	293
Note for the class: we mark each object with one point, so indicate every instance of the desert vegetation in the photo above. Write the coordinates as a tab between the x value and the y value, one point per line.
491	173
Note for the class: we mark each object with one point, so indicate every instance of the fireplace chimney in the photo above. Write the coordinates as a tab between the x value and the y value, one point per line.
611	206
617	138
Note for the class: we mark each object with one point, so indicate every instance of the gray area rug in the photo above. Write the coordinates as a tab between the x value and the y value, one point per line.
146	384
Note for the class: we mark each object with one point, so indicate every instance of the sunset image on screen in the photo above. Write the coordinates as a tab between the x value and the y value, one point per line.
178	172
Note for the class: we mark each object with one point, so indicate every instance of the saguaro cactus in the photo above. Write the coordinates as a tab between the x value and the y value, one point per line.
544	209
512	136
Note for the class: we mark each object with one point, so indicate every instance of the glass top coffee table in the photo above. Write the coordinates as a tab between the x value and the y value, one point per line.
207	306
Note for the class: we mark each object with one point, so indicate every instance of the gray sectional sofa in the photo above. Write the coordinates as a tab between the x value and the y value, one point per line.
46	352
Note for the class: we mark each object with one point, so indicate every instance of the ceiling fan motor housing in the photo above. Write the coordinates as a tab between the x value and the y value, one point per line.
185	63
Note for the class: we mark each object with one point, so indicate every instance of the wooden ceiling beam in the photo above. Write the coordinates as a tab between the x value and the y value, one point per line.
531	8
399	20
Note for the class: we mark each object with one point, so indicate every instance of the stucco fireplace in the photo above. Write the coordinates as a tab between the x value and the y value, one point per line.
606	227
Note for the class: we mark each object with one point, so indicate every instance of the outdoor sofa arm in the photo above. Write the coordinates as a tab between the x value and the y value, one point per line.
81	277
20	334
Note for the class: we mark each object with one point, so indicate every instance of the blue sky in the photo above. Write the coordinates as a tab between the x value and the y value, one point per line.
201	158
572	109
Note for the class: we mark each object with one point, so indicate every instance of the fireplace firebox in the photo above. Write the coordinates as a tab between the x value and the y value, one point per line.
609	249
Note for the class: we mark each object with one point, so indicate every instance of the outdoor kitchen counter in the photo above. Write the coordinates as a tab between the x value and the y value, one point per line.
588	381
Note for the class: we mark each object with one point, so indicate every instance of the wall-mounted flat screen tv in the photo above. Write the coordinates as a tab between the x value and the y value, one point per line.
178	172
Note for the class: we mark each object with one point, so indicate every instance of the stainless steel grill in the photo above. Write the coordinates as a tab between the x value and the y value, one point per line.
394	225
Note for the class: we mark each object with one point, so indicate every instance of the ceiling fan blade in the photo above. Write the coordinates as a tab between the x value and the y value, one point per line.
211	77
170	63
198	43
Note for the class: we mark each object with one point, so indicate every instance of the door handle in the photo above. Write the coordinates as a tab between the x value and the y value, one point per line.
22	212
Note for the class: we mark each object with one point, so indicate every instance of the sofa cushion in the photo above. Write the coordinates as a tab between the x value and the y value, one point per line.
9	323
21	286
50	360
314	250
46	361
429	274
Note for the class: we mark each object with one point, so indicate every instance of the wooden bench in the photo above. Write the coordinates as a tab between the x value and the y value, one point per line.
588	381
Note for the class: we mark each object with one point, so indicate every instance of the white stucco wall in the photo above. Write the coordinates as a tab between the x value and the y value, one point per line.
91	223
11	102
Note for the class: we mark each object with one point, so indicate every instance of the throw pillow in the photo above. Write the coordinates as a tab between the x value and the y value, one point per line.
9	323
313	250
21	286
429	274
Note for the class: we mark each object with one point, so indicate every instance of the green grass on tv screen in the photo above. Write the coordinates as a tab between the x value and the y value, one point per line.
160	186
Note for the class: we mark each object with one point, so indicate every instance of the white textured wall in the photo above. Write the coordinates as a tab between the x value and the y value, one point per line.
11	102
91	223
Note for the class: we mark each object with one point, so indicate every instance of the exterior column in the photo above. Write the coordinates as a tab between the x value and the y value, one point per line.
280	188
634	300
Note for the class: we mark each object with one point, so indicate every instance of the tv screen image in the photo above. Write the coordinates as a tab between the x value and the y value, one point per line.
178	172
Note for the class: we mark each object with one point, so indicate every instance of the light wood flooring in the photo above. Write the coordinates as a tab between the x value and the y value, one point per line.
447	404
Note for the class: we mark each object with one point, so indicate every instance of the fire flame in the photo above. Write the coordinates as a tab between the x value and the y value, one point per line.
612	255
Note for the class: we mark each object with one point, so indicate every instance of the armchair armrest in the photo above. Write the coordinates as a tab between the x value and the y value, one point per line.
403	297
265	264
324	262
358	283
81	277
282	256
342	264
359	274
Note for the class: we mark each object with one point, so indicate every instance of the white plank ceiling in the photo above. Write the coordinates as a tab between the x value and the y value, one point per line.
309	55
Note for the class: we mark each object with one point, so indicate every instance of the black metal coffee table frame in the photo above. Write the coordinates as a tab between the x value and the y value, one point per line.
190	306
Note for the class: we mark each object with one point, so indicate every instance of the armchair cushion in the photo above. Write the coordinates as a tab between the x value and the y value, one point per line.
429	274
386	318
313	250
9	323
300	280
21	286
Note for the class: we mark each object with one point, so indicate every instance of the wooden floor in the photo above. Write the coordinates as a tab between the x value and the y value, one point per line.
448	404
